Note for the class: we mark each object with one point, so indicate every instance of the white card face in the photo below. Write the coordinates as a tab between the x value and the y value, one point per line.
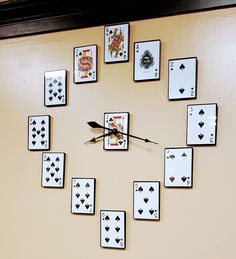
119	121
85	64
39	132
202	124
147	60
178	167
182	78
113	228
53	169
116	47
146	196
83	195
55	88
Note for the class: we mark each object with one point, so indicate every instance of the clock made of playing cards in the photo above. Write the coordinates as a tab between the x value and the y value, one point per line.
201	129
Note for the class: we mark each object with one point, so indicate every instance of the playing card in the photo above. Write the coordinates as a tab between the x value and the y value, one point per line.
116	47
147	60
113	229
83	195
120	122
201	124
178	167
53	169
85	64
55	88
146	195
39	132
182	82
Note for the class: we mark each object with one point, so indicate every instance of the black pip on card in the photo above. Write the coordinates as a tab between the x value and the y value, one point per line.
178	167
182	83
113	229
202	124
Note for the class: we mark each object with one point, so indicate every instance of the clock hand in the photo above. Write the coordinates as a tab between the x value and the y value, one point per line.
94	124
94	140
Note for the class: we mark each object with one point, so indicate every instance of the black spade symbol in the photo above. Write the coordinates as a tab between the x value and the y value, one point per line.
33	135
151	189
120	142
107	239
42	129
33	142
57	169
52	174
87	195
121	53
59	97
77	185
172	156
140	211
52	164
90	73
54	81
48	159
110	31
50	91
55	94
184	178
77	195
87	185
201	123
151	211
42	122
110	120
48	169
117	229
38	132
117	240
50	85
42	142
57	179
184	155
87	206
42	135
182	67
80	53
82	200
172	178
140	189
107	228
50	98
181	90
47	179
117	218
200	136
34	122
145	199
77	205
59	90
57	159
107	217
34	129
59	84
201	112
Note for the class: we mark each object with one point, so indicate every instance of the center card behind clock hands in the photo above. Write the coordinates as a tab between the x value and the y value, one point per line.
114	131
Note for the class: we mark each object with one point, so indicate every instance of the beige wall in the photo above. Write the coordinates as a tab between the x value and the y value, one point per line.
36	223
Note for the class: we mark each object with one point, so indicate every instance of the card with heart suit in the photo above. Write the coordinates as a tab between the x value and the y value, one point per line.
113	229
201	124
178	167
182	83
146	200
39	132
83	195
53	169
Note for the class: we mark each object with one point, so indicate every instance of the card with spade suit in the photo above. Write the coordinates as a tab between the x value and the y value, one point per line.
83	195
118	121
53	169
85	64
113	229
202	124
55	88
182	82
178	167
146	200
39	132
116	43
147	60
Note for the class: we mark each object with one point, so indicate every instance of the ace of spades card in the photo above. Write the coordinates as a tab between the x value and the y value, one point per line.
178	167
53	169
146	200
55	88
120	122
147	60
39	132
182	82
83	196
113	229
85	64
201	124
116	43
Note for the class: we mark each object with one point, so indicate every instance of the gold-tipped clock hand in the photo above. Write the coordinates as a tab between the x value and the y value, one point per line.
94	140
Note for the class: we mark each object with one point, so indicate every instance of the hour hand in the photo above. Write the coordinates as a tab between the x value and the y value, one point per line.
94	140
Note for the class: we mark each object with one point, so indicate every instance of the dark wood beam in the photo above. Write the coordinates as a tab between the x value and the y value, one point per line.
28	17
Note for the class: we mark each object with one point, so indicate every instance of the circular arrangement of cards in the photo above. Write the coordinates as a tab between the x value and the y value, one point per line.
178	161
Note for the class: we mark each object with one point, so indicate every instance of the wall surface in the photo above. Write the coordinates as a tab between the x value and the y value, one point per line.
195	223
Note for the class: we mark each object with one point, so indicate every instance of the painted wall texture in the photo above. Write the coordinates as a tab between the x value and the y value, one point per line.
195	223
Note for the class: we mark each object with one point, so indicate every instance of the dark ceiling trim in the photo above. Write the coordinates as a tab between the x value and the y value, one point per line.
28	17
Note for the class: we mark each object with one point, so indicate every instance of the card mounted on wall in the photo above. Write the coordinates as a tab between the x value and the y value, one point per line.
201	124
146	200
39	132
120	122
85	64
182	83
178	167
116	43
83	196
113	229
55	88
53	169
147	60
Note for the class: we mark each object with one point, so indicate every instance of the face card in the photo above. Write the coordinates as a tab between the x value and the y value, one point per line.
53	169
55	89
116	40
146	195
182	82
113	229
178	167
202	124
83	195
147	60
39	132
120	122
85	64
